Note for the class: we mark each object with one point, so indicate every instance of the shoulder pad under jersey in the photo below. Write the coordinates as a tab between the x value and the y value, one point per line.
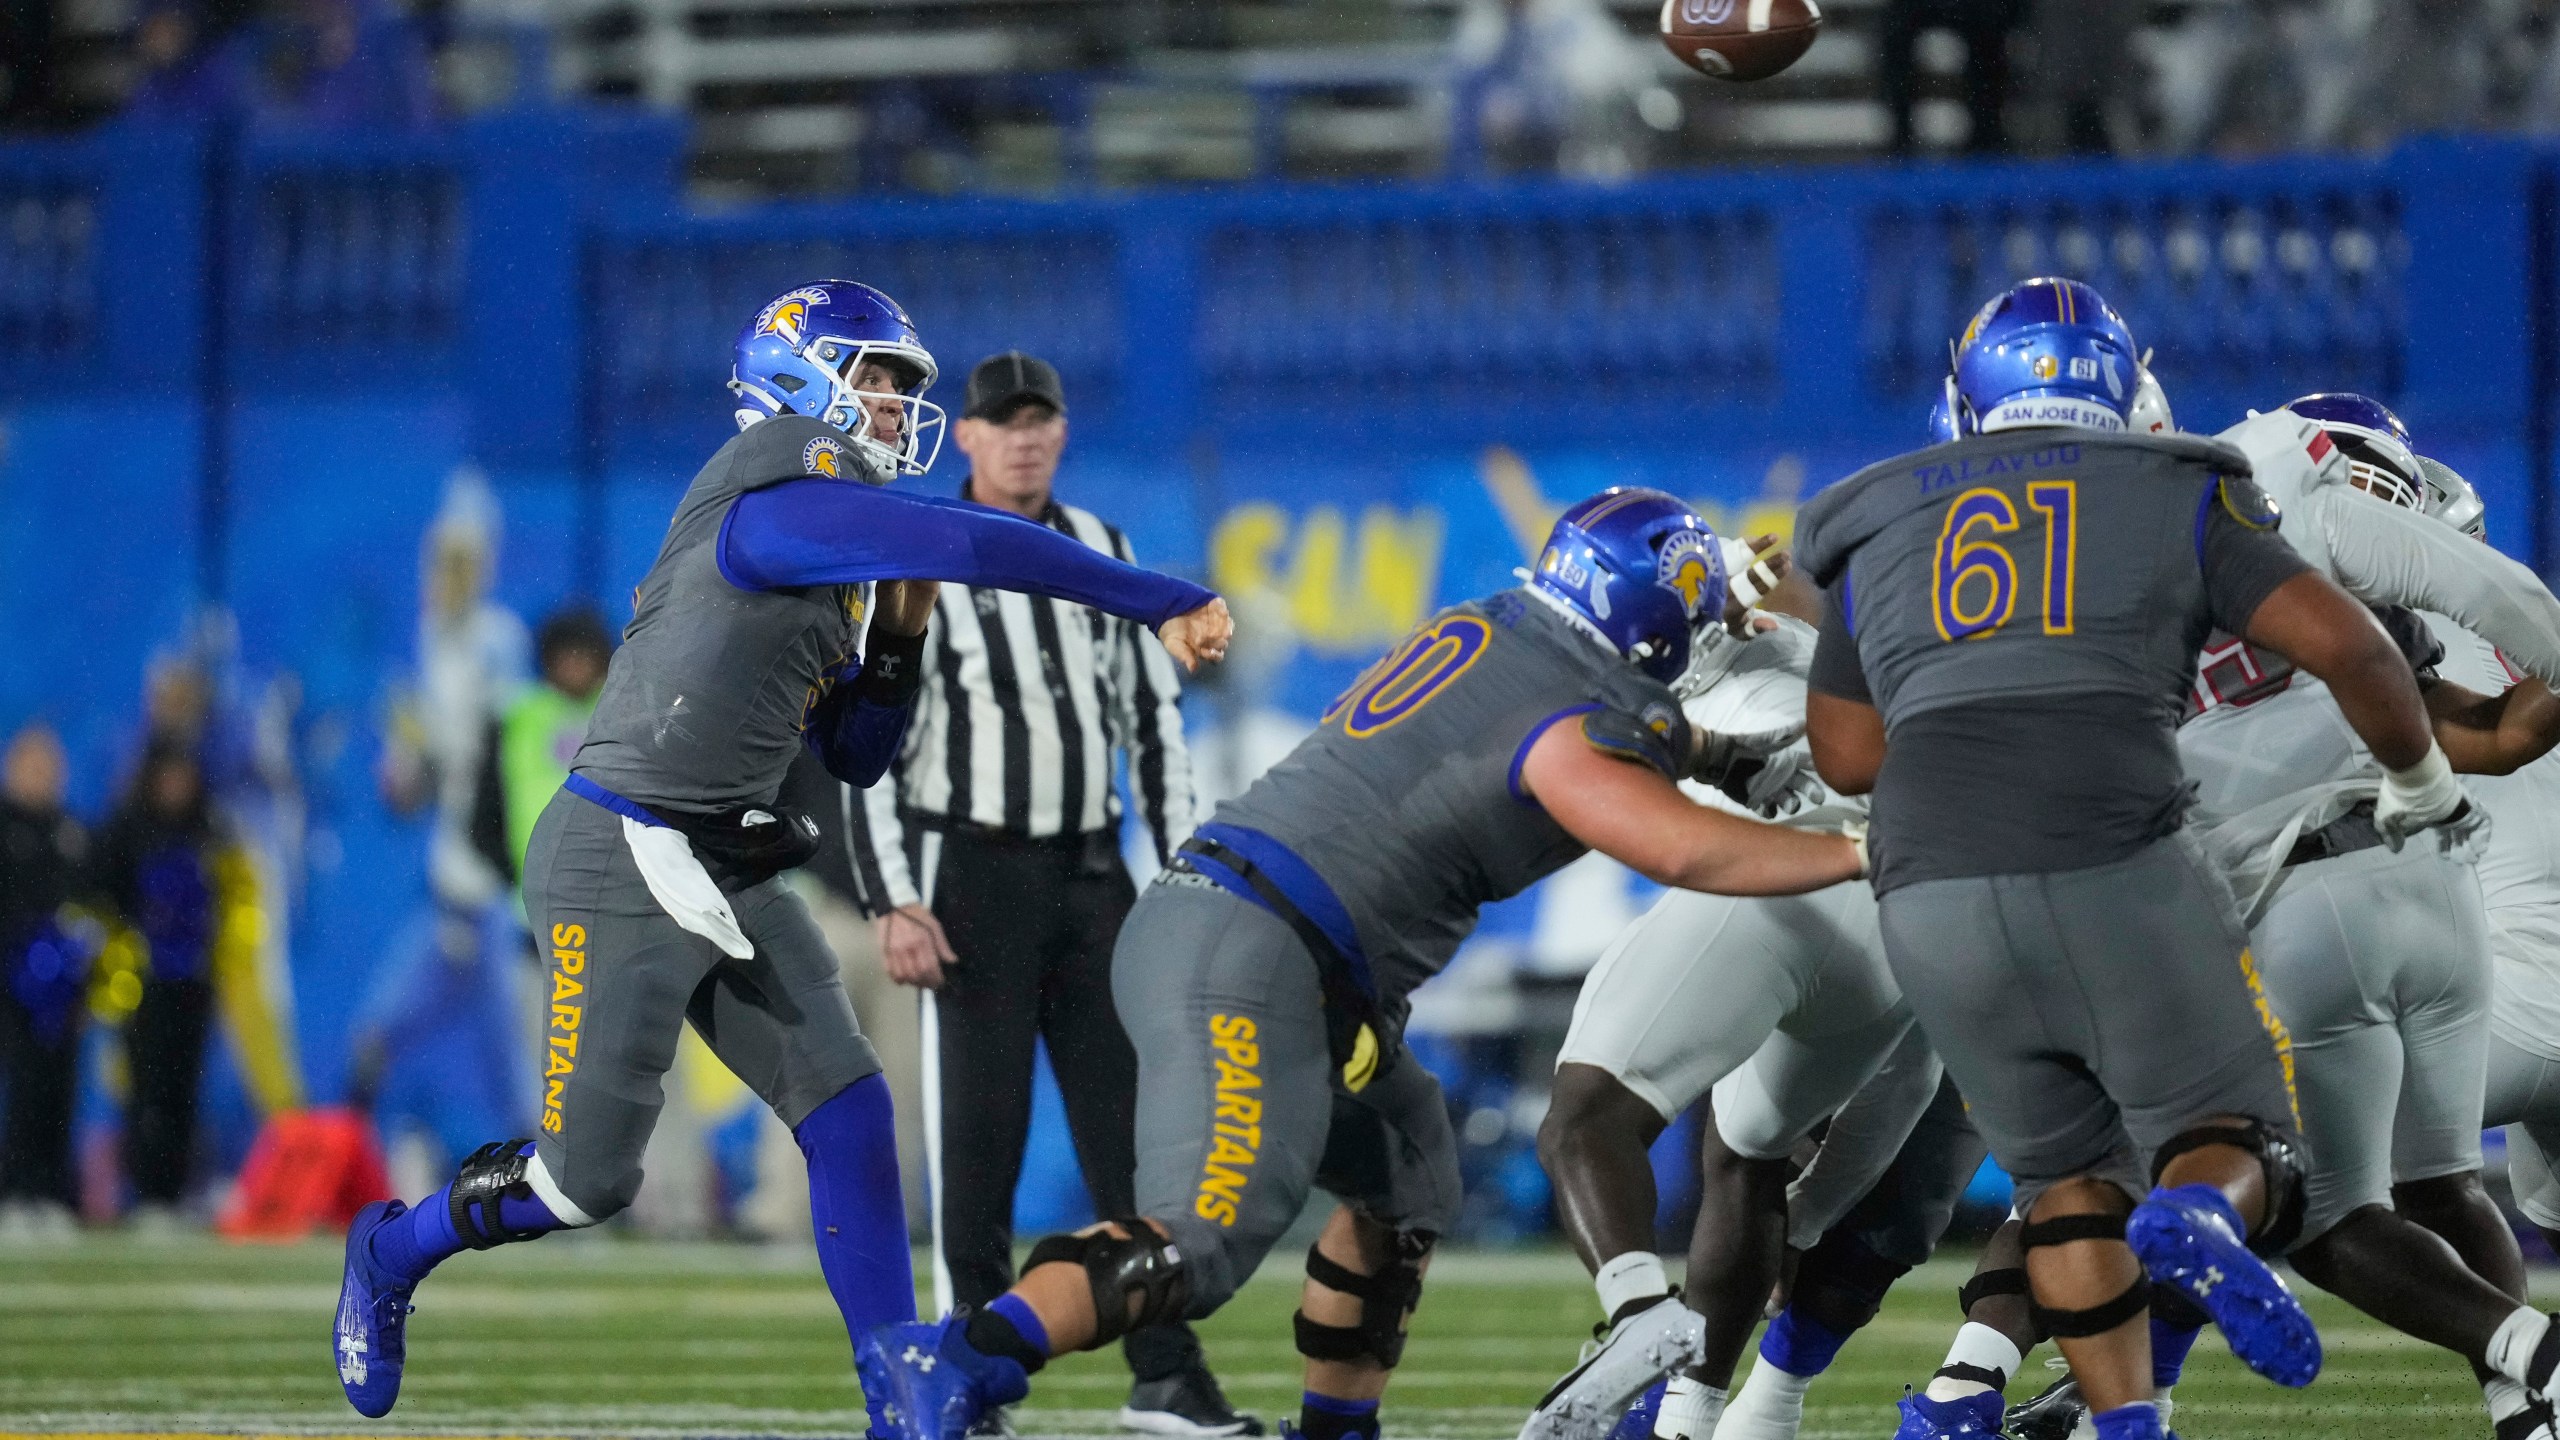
1659	737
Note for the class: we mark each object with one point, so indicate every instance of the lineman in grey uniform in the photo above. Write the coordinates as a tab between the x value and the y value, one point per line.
1264	978
653	877
2007	694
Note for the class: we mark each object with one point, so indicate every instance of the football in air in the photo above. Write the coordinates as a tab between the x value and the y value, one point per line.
1739	39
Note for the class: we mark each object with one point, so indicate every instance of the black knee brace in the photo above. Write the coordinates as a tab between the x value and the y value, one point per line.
1144	1268
2100	1318
1841	1282
494	1169
1386	1298
2277	1158
2009	1281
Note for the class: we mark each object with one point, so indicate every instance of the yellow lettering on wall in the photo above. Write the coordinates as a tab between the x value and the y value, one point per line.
1346	589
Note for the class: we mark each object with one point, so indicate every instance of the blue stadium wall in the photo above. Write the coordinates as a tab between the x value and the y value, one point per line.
1358	403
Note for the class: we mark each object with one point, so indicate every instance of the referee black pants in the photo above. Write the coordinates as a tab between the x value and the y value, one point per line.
1033	922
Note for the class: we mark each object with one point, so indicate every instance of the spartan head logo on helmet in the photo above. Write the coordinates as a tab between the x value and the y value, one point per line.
1687	568
788	315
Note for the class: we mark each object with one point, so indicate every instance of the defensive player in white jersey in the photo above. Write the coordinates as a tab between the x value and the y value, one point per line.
2375	957
1781	1007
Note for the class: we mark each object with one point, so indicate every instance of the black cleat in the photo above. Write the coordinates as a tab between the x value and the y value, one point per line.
995	1424
2052	1415
1187	1402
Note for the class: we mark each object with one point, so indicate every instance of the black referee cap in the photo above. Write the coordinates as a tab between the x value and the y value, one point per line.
1004	381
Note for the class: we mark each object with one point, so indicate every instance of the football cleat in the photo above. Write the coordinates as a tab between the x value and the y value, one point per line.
2056	1414
371	1341
1637	1423
1639	1350
1187	1402
922	1380
1969	1418
2186	1240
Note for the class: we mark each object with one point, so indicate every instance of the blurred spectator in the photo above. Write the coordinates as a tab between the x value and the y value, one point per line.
436	1049
531	742
2082	54
44	959
1549	86
157	865
189	67
28	60
348	65
1985	27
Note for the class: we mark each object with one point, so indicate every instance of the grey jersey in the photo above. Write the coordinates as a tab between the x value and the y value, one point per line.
1405	799
2025	609
704	703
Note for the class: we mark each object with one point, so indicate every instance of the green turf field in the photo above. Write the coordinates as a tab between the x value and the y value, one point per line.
604	1336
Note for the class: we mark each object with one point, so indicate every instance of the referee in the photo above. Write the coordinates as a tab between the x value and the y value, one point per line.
992	872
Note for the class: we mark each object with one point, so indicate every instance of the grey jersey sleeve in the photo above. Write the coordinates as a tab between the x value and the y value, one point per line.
2243	562
2385	555
1835	670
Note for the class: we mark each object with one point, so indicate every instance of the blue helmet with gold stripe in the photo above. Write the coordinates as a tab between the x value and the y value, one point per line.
823	350
2045	352
1641	568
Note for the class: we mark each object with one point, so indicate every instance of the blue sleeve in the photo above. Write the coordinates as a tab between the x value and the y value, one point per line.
828	532
855	735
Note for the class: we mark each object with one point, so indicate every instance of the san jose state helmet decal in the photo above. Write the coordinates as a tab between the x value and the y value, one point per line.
2381	459
2045	352
800	355
1643	569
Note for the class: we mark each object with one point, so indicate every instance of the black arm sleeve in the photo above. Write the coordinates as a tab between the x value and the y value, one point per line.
1835	670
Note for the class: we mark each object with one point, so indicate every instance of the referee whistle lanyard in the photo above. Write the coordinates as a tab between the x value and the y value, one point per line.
673	873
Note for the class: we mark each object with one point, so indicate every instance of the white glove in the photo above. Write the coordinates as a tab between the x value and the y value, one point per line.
1856	830
2426	796
1784	784
1719	749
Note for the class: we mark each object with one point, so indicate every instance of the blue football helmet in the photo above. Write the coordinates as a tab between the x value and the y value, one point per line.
2451	499
1643	569
2045	352
801	352
1942	422
2381	459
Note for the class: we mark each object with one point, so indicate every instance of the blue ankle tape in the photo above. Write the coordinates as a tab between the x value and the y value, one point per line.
2139	1421
1024	1320
1799	1345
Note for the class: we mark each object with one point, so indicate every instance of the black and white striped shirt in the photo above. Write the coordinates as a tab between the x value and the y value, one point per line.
1025	700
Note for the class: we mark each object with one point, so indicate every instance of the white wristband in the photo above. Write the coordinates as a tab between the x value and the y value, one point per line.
2428	786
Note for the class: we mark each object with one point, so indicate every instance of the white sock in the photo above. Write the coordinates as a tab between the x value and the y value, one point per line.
1775	1394
1690	1410
1636	1275
2518	1336
1983	1348
2504	1397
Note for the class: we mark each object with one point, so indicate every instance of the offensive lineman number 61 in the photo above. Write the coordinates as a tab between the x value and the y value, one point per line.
1974	578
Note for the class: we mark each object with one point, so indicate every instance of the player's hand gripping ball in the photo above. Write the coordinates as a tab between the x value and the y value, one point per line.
1739	39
